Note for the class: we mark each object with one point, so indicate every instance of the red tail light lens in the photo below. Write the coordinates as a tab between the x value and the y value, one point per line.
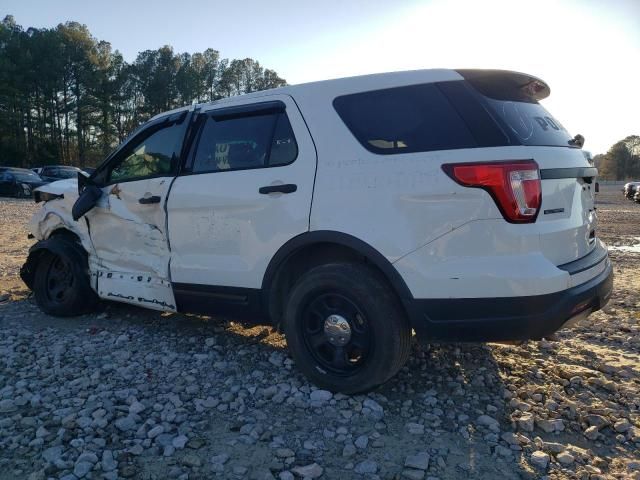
514	185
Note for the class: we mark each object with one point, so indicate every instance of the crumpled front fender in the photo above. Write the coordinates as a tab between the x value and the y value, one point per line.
60	244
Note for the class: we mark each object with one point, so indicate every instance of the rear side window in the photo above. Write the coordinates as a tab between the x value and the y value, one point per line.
417	118
240	143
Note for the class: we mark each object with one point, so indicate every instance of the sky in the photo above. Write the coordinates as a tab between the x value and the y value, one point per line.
588	51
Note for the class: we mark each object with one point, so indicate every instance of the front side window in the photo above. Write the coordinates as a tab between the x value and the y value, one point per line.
154	155
240	143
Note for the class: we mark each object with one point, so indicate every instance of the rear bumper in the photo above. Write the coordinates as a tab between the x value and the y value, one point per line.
507	318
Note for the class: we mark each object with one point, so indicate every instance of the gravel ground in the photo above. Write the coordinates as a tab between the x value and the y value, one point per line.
129	393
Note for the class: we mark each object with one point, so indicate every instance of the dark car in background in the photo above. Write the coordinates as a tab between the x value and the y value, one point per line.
52	173
19	182
630	189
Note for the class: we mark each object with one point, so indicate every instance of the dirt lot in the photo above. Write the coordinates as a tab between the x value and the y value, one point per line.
128	393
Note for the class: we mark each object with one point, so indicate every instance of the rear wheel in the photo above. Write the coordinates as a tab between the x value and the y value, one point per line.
345	328
61	283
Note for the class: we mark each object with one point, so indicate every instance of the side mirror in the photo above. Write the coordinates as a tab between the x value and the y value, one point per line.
86	201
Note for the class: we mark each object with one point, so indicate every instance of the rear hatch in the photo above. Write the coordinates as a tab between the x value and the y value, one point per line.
567	218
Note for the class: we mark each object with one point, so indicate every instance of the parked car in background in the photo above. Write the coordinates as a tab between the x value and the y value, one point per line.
19	182
37	170
636	197
88	170
348	212
630	189
52	173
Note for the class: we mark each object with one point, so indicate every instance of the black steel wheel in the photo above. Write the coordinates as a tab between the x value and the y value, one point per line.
61	280
345	327
336	333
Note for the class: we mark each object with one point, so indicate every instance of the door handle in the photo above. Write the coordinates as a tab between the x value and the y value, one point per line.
286	188
148	200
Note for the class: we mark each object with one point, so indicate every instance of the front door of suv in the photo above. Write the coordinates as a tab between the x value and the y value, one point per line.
245	190
128	225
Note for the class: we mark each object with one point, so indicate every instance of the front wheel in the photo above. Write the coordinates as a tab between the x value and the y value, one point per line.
61	283
345	328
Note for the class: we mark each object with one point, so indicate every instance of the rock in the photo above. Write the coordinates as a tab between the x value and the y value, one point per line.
412	474
89	457
622	426
220	459
511	438
308	471
415	428
179	442
525	422
367	467
553	447
418	461
545	425
125	424
191	460
540	460
81	469
349	450
286	475
376	409
591	433
155	431
565	458
361	442
108	462
7	405
320	396
596	420
136	407
285	453
52	454
489	422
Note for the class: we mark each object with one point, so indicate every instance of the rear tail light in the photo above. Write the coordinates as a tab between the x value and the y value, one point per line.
514	185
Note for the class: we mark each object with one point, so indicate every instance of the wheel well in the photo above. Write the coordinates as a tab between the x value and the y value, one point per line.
304	259
65	233
43	248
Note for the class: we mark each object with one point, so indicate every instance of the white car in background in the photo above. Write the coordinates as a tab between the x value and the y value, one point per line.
347	212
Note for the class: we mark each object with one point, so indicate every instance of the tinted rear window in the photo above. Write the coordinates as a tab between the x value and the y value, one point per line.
416	118
524	118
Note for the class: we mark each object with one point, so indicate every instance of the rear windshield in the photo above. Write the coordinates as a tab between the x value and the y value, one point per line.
445	116
530	122
510	100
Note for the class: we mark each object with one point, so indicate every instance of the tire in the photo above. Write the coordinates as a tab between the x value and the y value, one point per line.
61	283
345	328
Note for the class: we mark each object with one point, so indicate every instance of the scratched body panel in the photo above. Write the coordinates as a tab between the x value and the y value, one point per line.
126	243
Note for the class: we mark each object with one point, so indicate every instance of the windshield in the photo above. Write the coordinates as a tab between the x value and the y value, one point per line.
67	173
26	177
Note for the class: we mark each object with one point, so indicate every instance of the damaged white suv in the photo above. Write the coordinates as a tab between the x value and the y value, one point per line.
348	212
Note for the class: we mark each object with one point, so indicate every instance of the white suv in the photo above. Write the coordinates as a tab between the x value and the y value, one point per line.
348	212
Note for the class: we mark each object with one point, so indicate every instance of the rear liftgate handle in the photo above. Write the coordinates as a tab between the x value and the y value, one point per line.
286	188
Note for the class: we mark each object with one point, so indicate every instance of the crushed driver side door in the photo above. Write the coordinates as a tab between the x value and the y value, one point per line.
128	225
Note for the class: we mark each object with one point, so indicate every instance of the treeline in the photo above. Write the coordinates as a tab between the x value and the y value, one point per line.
66	97
622	161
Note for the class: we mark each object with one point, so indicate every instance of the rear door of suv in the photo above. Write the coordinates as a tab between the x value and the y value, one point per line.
245	190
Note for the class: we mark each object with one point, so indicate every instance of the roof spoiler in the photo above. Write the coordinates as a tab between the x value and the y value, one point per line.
495	83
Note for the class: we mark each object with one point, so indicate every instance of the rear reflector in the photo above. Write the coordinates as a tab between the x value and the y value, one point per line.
514	185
